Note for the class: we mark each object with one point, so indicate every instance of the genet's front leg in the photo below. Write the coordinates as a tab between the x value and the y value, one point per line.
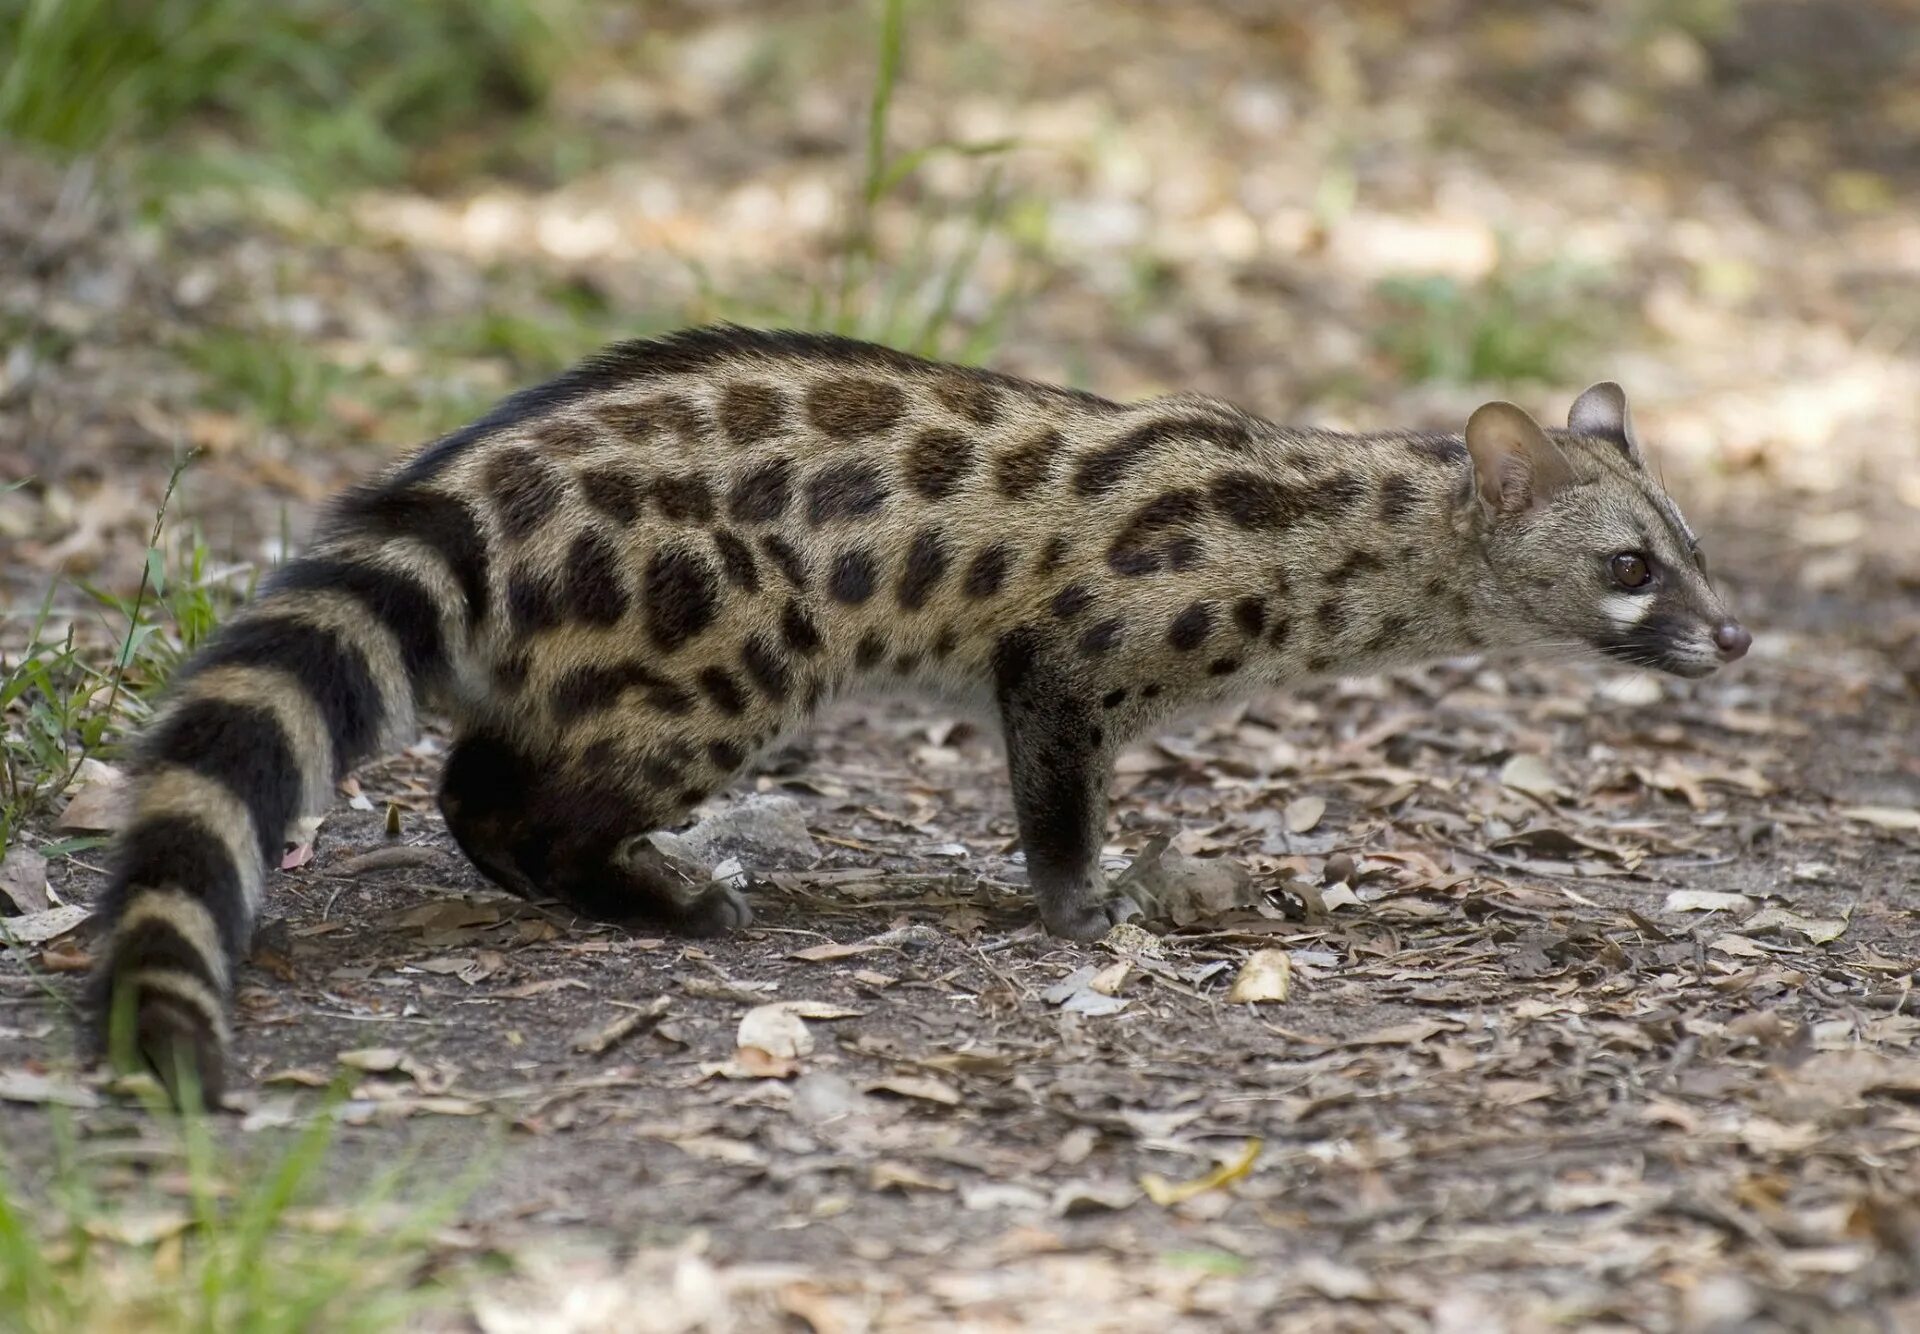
1059	760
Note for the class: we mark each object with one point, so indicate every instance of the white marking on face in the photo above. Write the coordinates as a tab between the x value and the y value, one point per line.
1624	609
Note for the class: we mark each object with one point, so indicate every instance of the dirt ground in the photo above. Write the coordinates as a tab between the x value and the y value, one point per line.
1601	1008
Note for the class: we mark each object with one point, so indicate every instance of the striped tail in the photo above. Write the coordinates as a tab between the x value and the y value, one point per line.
321	669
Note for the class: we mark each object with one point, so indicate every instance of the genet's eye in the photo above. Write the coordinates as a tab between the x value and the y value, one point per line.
1630	569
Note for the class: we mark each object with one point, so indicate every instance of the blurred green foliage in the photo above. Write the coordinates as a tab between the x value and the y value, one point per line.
315	87
1519	323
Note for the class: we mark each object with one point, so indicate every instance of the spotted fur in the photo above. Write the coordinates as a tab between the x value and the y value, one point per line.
623	584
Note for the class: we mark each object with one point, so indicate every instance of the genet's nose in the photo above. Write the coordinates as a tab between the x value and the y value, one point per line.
1732	639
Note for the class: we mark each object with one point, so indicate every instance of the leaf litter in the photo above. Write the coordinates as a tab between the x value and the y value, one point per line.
1599	996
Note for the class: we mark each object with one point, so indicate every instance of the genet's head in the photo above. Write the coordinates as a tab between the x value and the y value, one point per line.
1586	547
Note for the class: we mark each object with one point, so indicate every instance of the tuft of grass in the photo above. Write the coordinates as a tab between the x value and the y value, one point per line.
253	1246
1519	324
315	89
266	372
63	700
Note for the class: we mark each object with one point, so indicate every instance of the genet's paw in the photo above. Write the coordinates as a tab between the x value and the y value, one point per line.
720	908
1088	921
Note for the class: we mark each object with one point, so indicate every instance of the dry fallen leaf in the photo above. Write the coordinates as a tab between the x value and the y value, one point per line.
1819	930
1706	900
776	1030
1267	975
37	928
1532	775
1303	813
917	1086
1074	993
1110	979
1165	1193
32	1087
101	806
600	1040
23	879
373	1060
1884	817
830	951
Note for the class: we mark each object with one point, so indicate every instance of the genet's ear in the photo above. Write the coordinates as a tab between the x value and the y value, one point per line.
1515	466
1602	411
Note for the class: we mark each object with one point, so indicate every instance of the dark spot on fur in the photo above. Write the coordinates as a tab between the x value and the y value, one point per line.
871	650
1014	655
798	629
1392	630
1113	699
852	577
1070	601
850	490
1223	667
723	690
1105	468
1332	616
1101	638
1022	470
1252	501
736	558
1250	614
510	673
1436	586
1281	629
1336	493
1438	448
1183	553
1167	510
790	563
684	499
1132	560
1319	663
726	755
767	665
563	436
586	690
681	417
926	565
1191	627
762	493
595	591
1096	737
614	491
948	641
1356	564
670	414
988	572
969	398
906	664
1151	691
937	461
1053	553
525	489
660	771
533	603
751	411
847	407
1396	498
680	595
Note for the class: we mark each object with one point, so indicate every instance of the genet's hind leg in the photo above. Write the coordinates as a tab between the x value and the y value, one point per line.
484	798
575	831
